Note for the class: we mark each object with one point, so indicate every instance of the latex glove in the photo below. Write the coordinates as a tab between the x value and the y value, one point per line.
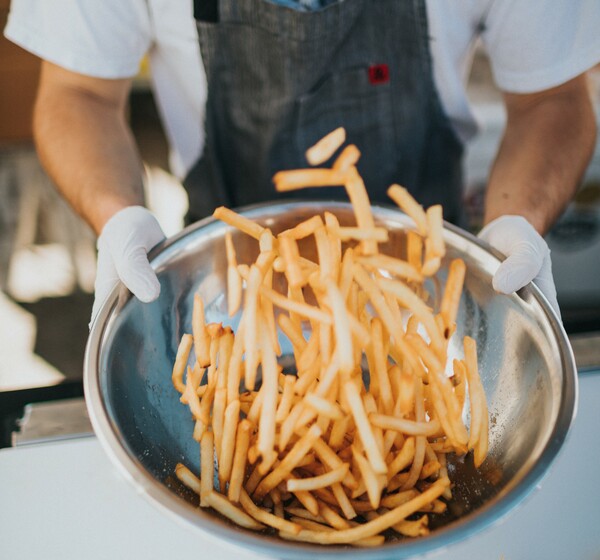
528	257
123	249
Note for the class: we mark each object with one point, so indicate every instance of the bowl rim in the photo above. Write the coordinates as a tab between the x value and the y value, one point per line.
226	533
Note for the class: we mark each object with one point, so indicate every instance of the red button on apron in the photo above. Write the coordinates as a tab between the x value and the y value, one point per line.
379	74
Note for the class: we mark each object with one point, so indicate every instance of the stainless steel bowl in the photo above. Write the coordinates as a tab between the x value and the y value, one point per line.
525	360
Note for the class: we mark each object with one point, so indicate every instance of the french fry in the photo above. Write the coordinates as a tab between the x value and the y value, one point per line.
303	513
287	427
267	518
481	446
234	372
323	406
414	249
332	224
253	480
338	432
294	334
436	506
355	187
192	381
346	272
234	280
286	399
366	433
291	257
400	268
238	221
478	437
459	381
227	509
347	159
244	271
452	292
211	372
305	382
298	451
369	477
431	266
269	315
399	498
278	504
206	403
307	500
332	461
303	178
254	412
435	225
206	467
343	501
341	327
416	528
226	341
380	370
406	393
251	326
332	518
218	418
324	254
320	481
200	332
404	458
199	429
311	525
420	441
304	536
374	234
409	427
303	309
411	301
267	424
326	342
410	206
430	468
181	359
232	414
303	229
326	146
187	477
238	467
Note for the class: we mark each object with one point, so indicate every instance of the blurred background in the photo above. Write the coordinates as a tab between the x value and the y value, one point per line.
47	254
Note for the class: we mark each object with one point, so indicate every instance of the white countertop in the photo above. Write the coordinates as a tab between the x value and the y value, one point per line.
64	500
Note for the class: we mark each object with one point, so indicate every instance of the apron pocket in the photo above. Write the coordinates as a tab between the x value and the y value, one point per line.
362	104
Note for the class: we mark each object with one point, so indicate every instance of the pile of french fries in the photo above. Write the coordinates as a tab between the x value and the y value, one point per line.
354	445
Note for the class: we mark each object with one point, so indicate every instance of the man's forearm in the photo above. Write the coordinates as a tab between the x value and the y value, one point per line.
87	149
546	147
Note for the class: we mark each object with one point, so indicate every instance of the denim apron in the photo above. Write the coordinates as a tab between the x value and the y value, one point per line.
280	78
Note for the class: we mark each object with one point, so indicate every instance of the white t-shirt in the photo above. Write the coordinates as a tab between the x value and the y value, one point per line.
532	44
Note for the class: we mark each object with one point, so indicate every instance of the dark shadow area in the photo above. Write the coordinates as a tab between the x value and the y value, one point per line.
62	331
147	129
580	320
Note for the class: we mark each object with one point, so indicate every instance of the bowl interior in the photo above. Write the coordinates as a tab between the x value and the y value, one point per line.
525	365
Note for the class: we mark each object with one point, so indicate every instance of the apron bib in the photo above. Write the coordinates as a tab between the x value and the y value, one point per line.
279	79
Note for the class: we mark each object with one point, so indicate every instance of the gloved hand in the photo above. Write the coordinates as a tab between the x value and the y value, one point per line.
123	246
528	257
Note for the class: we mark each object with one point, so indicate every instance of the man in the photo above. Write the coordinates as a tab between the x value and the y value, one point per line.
281	74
